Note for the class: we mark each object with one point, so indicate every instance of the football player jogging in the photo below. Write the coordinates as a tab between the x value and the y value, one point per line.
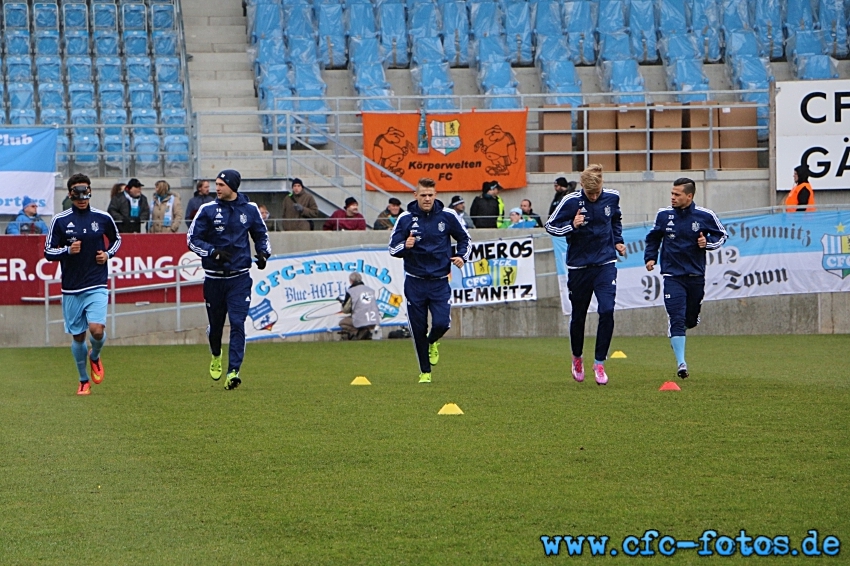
220	235
422	237
591	222
83	239
684	232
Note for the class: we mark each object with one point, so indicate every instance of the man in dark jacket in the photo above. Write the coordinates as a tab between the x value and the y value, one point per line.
130	210
387	219
220	236
298	207
201	197
488	209
423	238
562	189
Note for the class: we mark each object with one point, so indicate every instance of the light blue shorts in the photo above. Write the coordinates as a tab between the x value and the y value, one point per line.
84	308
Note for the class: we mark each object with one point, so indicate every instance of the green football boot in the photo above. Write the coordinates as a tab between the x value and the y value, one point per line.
215	367
424	378
232	381
434	353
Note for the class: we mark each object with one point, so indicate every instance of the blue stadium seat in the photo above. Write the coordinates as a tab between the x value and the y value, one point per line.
104	17
19	68
362	51
110	95
805	42
490	49
277	124
687	77
559	78
170	95
743	42
134	16
78	69
518	31
735	15
116	150
2	113
376	101
84	117
138	69
162	16
623	77
164	43
86	151
274	75
109	69
17	42
75	16
302	50
680	46
314	110
332	52
495	75
22	117
53	116
360	21
642	30
671	17
552	48
16	16
798	17
832	22
146	152
547	18
47	42
705	23
503	98
63	144
431	79
428	50
141	95
175	121
815	67
455	33
115	117
45	16
76	43
423	20
370	76
612	16
167	70
266	21
270	50
298	20
176	155
51	95
767	23
580	22
485	19
135	44
106	43
614	46
144	121
81	95
392	23
48	69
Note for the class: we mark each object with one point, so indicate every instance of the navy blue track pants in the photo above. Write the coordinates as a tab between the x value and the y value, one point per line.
424	295
683	301
228	298
582	285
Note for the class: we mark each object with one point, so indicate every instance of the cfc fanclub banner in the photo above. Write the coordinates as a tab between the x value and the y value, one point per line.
456	150
775	254
299	294
27	168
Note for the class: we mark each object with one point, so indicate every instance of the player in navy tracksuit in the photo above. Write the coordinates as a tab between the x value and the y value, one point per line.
422	237
686	231
219	234
83	239
591	222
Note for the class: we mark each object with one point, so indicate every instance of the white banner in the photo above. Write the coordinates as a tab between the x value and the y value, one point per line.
775	254
27	169
498	271
301	294
812	125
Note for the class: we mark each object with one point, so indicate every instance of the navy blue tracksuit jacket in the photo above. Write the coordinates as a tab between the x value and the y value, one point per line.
592	243
679	230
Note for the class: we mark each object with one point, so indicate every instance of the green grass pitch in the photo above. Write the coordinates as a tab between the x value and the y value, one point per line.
161	465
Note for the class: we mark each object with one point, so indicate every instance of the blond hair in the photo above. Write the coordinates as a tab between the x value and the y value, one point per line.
591	178
162	188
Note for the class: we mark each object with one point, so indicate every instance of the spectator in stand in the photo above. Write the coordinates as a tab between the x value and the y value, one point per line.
362	309
562	189
28	220
348	218
264	214
802	196
116	190
167	210
517	220
488	209
130	210
529	213
67	203
202	196
459	206
298	208
386	219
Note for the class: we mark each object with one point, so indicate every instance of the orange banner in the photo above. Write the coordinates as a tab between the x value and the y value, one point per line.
459	151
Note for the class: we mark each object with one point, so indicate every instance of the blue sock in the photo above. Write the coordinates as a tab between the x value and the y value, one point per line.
678	343
80	353
96	346
602	363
